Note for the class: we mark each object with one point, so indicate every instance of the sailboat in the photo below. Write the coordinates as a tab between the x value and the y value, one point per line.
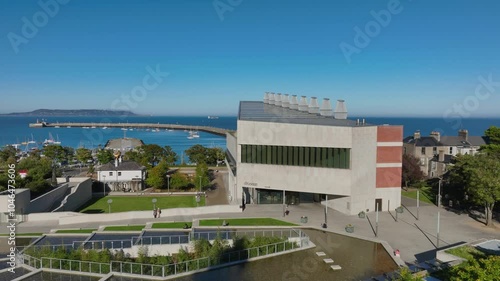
57	141
32	141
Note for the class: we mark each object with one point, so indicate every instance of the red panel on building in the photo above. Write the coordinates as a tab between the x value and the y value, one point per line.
389	133
389	154
389	177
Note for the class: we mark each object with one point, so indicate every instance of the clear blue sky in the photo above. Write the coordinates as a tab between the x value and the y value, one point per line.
90	53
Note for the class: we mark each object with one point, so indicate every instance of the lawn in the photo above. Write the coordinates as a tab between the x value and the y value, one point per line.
170	224
246	222
138	203
125	228
86	230
466	252
427	195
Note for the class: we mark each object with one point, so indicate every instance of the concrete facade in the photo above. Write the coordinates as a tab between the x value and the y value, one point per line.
374	170
81	192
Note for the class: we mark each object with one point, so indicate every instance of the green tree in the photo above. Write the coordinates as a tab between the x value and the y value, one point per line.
180	181
406	275
197	153
157	176
412	173
484	269
83	154
105	156
170	155
55	152
7	152
493	135
201	172
480	175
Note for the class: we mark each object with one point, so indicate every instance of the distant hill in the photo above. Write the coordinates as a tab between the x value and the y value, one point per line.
73	112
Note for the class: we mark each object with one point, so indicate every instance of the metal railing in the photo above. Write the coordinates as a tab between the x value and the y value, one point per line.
230	233
103	244
161	240
174	268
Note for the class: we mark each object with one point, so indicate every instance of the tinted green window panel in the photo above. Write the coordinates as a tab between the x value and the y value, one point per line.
342	158
258	157
312	157
269	155
330	157
264	154
306	156
336	157
280	155
285	155
290	155
318	157
275	155
348	158
324	159
295	156
243	153
301	156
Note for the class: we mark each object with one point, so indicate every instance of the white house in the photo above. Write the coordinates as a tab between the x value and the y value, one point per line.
122	175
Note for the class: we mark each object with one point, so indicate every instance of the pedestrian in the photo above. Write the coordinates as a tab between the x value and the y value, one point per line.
154	213
159	212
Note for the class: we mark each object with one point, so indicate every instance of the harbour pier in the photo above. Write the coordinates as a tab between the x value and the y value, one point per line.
211	130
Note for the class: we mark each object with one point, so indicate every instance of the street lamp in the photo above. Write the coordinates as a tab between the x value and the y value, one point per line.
109	205
154	203
104	186
439	193
168	183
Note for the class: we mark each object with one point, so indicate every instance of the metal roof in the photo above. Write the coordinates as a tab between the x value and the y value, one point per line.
260	112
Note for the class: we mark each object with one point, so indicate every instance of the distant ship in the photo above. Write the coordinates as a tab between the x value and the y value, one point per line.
213	117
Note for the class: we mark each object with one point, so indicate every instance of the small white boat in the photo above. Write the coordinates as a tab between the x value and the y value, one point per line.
56	127
68	127
131	129
124	129
104	128
190	137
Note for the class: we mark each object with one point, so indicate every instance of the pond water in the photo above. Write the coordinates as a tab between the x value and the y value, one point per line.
359	259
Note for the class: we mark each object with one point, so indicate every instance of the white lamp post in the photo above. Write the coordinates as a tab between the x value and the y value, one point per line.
109	205
104	186
168	184
154	203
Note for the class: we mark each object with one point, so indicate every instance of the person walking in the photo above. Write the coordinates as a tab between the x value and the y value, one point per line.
159	212
154	213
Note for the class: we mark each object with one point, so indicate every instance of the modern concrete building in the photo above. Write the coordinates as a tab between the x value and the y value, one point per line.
436	152
309	153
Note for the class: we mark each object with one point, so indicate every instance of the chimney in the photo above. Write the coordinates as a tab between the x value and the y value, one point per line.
326	108
277	99
441	156
271	98
340	110
120	159
416	135
266	97
464	134
357	122
285	102
303	104
294	104
116	162
436	135
313	106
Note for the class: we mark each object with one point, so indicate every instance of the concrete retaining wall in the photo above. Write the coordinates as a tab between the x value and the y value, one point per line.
45	202
79	195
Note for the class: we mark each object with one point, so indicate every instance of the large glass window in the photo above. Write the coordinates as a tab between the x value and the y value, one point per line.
325	157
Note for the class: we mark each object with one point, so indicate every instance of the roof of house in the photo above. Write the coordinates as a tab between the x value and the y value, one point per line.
123	166
447	141
262	112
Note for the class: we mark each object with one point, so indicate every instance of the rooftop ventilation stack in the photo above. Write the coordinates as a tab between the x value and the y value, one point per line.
303	106
294	103
340	110
285	102
314	106
271	98
266	97
277	99
326	108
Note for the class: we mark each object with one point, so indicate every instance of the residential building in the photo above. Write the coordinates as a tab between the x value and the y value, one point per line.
436	152
122	175
290	151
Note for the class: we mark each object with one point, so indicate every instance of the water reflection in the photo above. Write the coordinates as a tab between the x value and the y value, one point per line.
358	258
